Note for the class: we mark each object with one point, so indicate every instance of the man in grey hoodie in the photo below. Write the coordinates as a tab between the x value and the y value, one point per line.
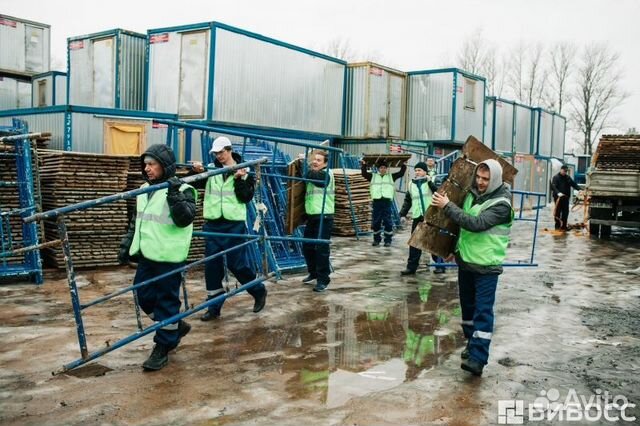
485	222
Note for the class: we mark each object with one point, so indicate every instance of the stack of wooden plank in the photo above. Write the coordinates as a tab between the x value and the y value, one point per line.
392	160
618	152
95	233
359	188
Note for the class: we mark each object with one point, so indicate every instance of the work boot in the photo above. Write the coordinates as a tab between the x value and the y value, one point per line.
309	279
465	352
472	366
320	287
159	358
213	312
387	243
183	328
376	243
260	301
439	270
408	272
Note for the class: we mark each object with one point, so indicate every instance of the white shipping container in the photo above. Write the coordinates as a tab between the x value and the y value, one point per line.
24	46
49	89
14	93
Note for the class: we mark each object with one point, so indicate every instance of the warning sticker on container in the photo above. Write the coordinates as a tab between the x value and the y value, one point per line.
8	22
159	38
395	149
376	71
158	125
75	45
460	89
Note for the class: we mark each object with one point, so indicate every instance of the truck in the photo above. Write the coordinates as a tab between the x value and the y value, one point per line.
613	184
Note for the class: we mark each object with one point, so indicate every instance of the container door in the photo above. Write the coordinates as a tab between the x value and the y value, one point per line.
193	74
104	73
396	102
34	42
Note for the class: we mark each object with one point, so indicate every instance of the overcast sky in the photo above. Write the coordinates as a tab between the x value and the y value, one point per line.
406	34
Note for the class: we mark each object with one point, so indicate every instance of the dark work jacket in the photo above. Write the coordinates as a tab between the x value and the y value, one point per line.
563	184
408	202
182	205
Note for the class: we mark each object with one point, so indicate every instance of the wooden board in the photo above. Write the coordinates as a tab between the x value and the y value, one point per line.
295	197
393	160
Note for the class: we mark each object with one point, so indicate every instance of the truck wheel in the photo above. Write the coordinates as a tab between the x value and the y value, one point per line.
594	229
605	230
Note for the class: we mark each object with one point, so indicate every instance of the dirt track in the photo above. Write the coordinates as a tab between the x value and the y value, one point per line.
374	349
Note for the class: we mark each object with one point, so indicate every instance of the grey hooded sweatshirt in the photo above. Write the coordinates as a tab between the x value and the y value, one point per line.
495	215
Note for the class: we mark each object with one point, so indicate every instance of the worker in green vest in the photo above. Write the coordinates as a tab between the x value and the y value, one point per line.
319	206
225	211
383	192
485	222
159	239
417	200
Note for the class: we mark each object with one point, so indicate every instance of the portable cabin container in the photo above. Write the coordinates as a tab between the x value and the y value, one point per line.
445	106
94	130
375	102
217	73
489	106
503	126
14	92
49	89
24	46
558	136
106	69
543	131
523	129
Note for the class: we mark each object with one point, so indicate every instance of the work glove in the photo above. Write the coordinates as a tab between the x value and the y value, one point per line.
560	194
174	184
123	255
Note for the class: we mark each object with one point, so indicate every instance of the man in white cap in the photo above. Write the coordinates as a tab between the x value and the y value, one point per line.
225	210
485	222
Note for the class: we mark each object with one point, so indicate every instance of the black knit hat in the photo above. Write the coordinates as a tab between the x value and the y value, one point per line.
382	163
421	165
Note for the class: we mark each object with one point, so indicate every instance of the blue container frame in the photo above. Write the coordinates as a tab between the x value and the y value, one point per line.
53	75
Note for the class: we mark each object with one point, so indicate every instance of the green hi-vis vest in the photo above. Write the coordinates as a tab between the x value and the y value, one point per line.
156	235
381	186
486	248
314	195
220	200
416	205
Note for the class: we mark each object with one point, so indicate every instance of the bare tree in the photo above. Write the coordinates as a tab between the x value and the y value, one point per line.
340	48
515	71
561	60
597	92
526	73
472	54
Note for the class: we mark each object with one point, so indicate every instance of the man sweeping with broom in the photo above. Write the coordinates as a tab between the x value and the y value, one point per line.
561	185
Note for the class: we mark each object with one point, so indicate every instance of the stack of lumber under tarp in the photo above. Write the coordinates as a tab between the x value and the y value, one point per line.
359	188
95	233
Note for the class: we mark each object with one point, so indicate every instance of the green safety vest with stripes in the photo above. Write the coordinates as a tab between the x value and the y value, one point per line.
489	247
156	235
220	200
416	206
314	196
381	186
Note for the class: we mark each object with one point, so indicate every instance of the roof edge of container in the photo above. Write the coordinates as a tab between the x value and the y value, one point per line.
104	33
374	64
48	73
447	70
25	21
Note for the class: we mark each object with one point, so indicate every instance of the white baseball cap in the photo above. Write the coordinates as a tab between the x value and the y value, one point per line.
219	144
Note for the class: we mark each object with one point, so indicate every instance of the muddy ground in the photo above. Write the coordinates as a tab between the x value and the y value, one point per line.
375	349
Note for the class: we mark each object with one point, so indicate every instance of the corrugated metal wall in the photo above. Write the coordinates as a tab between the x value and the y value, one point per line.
429	106
356	109
559	128
397	93
469	108
504	126
14	93
544	132
24	46
488	122
132	55
522	143
264	84
50	122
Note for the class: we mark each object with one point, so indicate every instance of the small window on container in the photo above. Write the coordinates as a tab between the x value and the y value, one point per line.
42	93
470	94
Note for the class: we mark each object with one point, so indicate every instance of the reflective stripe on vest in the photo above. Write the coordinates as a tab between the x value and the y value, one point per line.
220	200
156	235
486	248
416	206
381	186
314	196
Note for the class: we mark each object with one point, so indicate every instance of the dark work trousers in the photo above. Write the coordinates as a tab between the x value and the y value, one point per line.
317	255
561	212
382	217
237	260
477	297
160	299
415	254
